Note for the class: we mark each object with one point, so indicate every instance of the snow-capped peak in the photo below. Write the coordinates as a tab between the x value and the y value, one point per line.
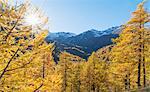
60	34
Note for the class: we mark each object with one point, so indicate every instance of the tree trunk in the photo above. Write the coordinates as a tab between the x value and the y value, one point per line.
140	56
139	69
143	57
144	74
43	67
126	82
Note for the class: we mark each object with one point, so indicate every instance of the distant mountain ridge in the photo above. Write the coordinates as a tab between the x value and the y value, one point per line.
59	35
85	43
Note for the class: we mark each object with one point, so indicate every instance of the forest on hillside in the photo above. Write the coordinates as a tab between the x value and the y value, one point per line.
27	63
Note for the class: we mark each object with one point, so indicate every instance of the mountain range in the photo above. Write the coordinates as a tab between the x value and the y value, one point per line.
84	43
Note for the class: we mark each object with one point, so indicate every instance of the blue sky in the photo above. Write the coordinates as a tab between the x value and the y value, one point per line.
81	15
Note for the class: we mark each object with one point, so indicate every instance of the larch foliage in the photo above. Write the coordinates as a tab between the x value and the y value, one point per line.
27	63
69	66
22	53
129	53
95	77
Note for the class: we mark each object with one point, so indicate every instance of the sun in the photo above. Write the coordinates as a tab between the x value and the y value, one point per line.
32	19
35	18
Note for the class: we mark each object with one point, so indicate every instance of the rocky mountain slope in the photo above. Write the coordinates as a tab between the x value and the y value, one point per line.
85	43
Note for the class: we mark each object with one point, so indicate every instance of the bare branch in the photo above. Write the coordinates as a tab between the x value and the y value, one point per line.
38	88
5	69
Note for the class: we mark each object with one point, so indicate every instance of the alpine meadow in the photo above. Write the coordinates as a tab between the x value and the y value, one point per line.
34	59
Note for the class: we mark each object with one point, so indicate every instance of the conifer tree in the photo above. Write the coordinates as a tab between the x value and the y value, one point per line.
21	52
65	70
69	67
95	76
129	52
